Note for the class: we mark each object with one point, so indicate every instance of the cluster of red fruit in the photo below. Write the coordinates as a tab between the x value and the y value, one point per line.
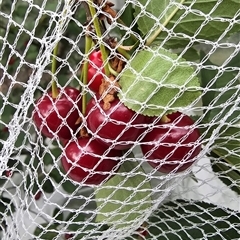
167	146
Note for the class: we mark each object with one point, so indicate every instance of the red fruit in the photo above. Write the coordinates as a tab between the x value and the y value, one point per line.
143	232
11	61
8	173
88	161
173	144
68	235
5	129
118	126
38	195
58	116
95	71
26	43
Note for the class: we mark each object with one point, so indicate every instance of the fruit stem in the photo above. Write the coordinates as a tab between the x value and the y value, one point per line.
113	72
53	70
88	45
165	119
99	34
159	30
124	53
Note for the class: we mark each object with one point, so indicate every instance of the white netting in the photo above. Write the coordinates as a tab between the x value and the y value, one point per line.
76	164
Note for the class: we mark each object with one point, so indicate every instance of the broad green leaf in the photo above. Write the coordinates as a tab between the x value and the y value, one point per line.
191	54
44	231
157	79
235	61
77	222
220	15
226	173
124	199
184	219
222	92
6	206
226	144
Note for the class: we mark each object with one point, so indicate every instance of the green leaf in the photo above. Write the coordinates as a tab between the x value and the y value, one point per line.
222	92
21	139
226	143
3	179
226	173
44	231
77	224
54	154
31	185
220	14
58	214
191	54
56	175
124	199
69	187
76	221
182	219
152	82
8	111
235	61
48	186
6	206
128	17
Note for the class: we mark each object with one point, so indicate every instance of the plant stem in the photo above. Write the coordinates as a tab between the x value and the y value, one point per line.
99	34
113	72
158	31
53	70
88	45
124	53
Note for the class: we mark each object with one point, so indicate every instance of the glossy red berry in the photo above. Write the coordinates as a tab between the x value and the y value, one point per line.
58	116
118	126
8	173
95	71
89	162
172	146
38	195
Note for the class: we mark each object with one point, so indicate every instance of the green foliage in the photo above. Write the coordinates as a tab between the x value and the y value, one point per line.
222	91
46	231
6	206
187	24
123	198
184	219
127	198
152	82
226	173
57	214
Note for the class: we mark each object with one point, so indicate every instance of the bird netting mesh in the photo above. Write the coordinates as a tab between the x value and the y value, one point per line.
119	119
